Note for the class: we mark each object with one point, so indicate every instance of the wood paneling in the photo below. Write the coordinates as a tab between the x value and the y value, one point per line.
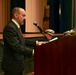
4	13
34	12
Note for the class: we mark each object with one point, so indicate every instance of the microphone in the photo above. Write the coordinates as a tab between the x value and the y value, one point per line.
37	25
41	30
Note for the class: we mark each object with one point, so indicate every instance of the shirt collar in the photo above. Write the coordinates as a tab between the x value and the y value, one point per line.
16	23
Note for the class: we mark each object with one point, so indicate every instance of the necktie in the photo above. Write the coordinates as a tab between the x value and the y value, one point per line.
20	30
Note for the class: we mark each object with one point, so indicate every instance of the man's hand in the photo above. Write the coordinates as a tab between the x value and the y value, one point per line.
40	43
33	53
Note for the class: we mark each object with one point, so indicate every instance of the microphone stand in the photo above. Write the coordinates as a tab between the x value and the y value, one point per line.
41	30
45	36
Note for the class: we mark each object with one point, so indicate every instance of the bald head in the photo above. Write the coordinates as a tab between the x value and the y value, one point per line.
18	14
16	10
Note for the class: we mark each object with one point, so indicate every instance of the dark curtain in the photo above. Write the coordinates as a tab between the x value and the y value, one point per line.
54	15
61	28
18	3
63	22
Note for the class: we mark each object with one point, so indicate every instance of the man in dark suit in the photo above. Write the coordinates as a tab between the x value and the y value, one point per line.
15	50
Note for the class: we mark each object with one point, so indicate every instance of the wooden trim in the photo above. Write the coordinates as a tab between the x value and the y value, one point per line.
32	35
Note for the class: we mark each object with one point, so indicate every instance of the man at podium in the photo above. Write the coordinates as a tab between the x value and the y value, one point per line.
15	49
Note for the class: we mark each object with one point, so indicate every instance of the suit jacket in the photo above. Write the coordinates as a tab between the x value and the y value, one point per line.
14	49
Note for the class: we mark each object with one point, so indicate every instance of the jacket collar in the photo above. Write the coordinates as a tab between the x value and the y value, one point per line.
16	23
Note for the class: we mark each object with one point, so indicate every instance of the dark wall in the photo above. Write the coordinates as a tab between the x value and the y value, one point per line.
18	3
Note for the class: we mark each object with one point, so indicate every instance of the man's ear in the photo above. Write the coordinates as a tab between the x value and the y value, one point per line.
16	15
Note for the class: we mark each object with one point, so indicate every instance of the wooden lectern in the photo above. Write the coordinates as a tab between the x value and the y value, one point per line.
56	58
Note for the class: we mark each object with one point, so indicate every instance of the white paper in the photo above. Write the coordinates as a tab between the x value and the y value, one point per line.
53	39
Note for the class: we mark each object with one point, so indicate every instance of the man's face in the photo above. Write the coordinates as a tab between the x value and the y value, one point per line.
21	16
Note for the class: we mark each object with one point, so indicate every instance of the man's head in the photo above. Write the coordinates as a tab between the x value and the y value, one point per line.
19	15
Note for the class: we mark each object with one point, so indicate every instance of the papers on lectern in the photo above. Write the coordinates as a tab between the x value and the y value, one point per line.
53	39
